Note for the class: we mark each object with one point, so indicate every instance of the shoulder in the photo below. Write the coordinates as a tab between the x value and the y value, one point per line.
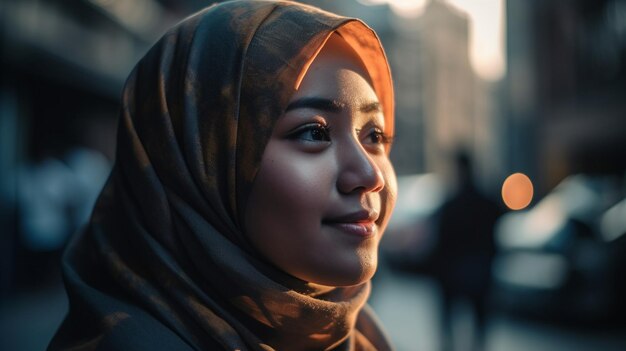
124	329
138	334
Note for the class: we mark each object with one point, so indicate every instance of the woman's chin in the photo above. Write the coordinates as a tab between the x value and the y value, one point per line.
357	274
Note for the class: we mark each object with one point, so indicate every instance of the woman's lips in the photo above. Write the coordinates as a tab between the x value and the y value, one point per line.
361	229
360	223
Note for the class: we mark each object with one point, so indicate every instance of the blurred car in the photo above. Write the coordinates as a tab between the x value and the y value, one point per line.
563	259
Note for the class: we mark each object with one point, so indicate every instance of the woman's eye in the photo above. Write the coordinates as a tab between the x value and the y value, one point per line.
376	136
312	132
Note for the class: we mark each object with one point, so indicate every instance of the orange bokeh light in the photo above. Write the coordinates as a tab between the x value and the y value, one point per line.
517	191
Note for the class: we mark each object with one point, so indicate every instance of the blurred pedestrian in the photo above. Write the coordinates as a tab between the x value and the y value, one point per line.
464	252
251	187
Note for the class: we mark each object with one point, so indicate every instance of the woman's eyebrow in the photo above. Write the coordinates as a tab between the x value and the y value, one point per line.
330	105
316	103
371	107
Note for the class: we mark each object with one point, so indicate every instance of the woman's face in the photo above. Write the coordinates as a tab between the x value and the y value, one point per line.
325	189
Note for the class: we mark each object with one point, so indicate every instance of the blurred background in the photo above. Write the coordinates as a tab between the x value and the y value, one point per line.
510	151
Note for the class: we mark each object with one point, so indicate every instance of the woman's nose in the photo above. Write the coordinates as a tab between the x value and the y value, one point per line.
358	172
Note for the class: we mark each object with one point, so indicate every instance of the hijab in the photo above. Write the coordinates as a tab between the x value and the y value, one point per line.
164	262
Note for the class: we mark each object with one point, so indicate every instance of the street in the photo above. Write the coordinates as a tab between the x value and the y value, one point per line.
408	307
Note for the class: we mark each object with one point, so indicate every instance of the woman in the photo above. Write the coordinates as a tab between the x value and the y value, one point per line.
251	187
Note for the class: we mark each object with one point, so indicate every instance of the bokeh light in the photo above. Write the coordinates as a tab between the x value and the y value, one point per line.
517	191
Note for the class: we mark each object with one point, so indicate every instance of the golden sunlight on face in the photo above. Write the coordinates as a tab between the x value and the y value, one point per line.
325	189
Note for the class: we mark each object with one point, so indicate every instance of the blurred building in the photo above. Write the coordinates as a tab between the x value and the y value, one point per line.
447	85
565	88
62	68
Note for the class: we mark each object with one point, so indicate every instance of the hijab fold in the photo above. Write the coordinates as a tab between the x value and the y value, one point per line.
164	262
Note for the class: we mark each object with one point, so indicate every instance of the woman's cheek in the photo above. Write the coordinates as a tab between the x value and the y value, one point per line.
302	182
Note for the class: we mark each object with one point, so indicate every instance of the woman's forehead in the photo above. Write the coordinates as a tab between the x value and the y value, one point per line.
338	54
